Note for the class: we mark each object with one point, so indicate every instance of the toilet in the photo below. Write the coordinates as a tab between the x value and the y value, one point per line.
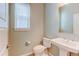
42	50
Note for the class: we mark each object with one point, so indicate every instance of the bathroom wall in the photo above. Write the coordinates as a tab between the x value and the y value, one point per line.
51	23
51	19
34	35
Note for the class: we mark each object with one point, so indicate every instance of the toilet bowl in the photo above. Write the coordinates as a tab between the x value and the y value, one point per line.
42	50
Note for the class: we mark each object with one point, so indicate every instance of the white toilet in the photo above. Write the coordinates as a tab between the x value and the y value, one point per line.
42	50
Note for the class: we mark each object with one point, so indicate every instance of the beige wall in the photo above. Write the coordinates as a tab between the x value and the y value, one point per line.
52	23
51	19
35	34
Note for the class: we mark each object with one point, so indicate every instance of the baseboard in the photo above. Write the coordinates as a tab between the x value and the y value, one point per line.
28	54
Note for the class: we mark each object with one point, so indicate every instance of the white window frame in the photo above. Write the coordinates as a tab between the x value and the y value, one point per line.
28	21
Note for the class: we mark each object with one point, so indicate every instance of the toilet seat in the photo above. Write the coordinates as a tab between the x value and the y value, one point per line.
40	50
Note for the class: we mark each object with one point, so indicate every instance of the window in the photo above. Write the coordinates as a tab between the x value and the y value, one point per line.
22	16
3	15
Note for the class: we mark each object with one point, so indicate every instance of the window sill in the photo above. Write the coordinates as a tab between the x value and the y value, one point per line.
22	30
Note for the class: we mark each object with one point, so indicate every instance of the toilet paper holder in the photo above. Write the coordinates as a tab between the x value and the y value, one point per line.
27	43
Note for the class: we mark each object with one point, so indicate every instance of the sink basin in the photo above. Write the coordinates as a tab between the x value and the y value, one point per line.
67	45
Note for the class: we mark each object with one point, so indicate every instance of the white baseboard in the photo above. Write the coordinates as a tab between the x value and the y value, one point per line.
27	54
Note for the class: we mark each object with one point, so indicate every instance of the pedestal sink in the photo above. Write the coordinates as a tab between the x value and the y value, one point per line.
66	46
